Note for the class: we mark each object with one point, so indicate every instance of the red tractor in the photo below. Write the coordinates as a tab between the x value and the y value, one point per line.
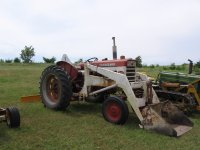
117	84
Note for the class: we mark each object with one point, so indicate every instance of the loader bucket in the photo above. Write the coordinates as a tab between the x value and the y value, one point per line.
166	118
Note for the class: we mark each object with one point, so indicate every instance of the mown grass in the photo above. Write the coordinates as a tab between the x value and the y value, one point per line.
81	126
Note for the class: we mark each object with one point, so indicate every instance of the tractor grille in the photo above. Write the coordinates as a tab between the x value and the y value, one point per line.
130	71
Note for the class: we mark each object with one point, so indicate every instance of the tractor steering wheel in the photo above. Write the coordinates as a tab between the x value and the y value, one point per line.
92	59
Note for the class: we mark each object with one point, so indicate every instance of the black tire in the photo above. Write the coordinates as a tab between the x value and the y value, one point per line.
12	117
115	110
55	88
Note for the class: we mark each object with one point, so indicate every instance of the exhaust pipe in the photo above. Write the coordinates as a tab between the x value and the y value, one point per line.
190	66
114	49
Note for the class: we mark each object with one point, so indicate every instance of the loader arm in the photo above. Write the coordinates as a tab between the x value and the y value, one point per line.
122	82
162	117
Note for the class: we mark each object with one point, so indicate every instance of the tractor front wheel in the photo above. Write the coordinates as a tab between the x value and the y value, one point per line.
115	110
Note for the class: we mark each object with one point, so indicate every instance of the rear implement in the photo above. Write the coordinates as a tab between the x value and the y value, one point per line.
182	89
11	116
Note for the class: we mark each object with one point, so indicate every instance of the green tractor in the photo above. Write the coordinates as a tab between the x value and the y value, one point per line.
182	89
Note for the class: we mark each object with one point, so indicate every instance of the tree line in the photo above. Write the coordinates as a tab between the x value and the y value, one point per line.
26	56
28	52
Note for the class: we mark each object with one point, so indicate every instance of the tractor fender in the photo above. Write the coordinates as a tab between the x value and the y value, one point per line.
68	68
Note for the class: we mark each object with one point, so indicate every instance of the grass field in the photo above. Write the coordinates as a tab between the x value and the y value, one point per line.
81	126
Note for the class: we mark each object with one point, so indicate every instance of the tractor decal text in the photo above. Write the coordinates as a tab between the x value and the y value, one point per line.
107	65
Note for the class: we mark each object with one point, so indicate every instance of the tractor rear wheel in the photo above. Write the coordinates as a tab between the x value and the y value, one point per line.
55	88
115	110
12	117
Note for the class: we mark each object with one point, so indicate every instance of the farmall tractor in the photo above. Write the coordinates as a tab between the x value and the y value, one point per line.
117	84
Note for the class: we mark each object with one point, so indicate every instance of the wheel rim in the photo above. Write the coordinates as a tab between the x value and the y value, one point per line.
52	88
113	111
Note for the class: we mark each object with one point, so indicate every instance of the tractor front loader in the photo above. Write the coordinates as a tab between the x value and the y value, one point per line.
117	84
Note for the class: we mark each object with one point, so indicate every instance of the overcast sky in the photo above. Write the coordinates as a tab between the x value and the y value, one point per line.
160	31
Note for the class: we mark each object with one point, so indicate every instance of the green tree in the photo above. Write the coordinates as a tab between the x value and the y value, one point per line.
17	60
2	61
197	64
172	66
8	61
138	61
49	60
27	53
152	66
